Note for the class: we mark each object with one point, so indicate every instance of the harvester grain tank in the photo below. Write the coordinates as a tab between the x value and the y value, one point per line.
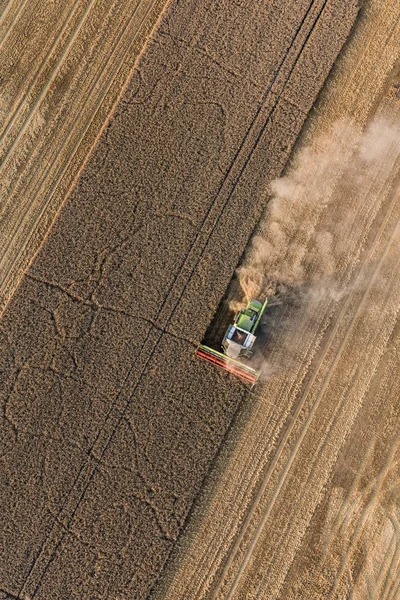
238	343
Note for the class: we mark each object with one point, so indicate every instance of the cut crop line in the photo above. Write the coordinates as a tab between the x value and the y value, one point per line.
14	20
63	168
46	88
280	449
67	139
155	345
14	110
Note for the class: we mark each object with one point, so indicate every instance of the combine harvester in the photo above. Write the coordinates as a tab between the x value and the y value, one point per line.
237	343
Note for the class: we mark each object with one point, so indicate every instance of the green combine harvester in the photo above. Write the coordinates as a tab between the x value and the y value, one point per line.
238	343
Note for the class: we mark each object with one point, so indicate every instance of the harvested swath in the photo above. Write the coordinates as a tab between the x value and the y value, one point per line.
104	403
327	459
63	67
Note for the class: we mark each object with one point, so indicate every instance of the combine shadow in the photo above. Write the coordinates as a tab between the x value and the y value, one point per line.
224	315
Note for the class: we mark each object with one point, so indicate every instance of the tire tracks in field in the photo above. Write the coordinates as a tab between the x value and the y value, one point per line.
44	91
258	497
53	540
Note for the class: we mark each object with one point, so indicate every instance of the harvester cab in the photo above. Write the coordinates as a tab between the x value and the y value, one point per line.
238	343
240	337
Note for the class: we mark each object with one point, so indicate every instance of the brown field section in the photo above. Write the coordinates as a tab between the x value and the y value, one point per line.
63	65
303	501
109	423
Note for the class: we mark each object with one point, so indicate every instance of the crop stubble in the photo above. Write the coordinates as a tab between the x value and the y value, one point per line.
104	404
63	67
303	501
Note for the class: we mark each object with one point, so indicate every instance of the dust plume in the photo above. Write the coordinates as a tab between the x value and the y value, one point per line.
303	243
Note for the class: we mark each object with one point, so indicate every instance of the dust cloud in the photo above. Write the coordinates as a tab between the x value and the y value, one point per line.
304	242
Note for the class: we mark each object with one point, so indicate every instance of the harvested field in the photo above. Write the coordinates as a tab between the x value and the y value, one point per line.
303	501
104	405
63	66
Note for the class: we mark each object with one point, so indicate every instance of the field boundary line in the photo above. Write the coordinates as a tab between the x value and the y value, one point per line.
40	230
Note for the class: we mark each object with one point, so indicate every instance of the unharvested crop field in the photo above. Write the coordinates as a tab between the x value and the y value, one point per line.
109	423
63	66
303	501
